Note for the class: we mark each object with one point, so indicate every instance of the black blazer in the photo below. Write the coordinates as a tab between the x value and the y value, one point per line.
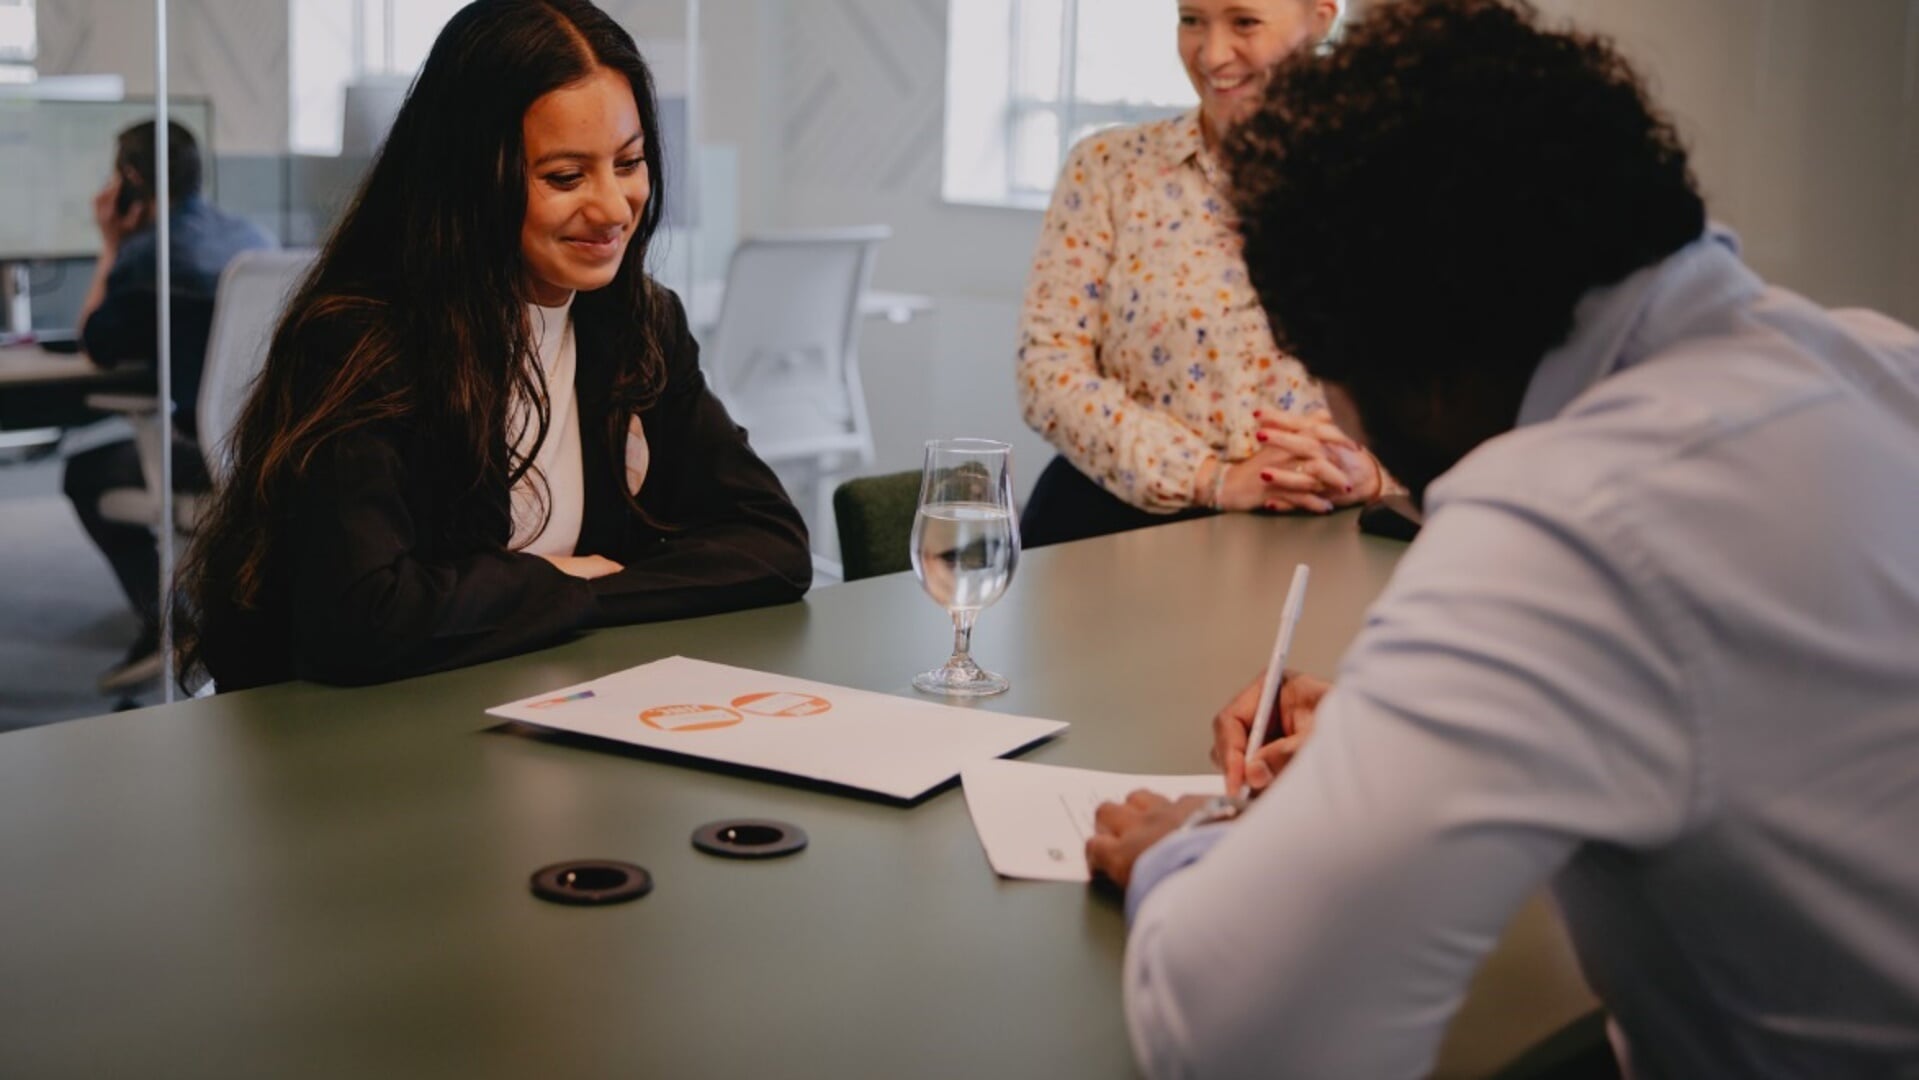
362	587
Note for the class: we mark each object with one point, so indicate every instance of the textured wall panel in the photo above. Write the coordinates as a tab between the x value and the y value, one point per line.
232	51
864	94
235	51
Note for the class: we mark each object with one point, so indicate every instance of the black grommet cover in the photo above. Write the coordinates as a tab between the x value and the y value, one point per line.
591	882
749	838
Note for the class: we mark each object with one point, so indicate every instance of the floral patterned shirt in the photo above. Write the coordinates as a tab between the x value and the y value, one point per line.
1143	349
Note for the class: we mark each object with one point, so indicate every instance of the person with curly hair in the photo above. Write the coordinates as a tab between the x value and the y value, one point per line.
1143	355
1654	646
481	425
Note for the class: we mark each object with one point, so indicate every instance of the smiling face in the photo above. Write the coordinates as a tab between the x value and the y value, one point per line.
1229	47
586	184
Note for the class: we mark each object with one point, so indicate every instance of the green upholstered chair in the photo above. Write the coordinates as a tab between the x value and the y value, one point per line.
875	519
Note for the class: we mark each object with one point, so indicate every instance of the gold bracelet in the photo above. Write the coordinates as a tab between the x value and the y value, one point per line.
1219	484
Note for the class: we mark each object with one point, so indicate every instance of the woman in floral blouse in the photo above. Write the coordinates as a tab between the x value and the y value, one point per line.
1144	357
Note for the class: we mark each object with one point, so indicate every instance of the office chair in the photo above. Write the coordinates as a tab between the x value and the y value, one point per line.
784	356
875	519
252	292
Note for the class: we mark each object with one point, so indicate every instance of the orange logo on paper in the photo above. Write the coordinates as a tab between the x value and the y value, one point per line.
690	717
782	703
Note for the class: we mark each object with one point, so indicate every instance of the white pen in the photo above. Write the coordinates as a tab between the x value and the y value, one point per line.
1275	671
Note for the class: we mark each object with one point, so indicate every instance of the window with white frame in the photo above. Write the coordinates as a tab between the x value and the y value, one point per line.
1026	79
19	38
338	43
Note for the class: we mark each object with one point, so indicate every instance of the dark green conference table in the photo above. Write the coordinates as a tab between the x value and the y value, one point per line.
302	881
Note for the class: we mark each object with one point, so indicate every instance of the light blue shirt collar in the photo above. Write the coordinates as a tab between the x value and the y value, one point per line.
1616	326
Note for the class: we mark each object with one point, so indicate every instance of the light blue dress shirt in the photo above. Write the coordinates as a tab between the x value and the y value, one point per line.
1659	646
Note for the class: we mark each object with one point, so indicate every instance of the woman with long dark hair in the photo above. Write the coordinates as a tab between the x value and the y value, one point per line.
481	426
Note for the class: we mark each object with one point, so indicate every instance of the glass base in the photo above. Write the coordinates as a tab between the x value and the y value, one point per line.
960	677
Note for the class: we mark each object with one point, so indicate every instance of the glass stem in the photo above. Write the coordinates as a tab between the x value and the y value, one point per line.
963	634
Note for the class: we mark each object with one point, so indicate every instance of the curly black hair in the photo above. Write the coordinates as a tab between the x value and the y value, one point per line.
1424	205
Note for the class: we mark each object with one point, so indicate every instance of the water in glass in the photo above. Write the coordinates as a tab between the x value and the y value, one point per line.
965	548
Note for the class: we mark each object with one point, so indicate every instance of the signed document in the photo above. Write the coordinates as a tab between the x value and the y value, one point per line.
1034	820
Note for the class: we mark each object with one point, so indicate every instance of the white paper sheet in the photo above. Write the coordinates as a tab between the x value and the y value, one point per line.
876	742
1034	820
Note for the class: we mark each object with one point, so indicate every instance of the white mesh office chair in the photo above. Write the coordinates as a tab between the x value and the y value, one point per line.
252	292
784	355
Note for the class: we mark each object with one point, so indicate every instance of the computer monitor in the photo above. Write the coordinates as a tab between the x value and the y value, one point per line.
56	155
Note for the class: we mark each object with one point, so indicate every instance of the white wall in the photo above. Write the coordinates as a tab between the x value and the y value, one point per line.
1804	120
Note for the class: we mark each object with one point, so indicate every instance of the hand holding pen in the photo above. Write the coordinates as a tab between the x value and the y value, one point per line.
1124	831
1269	687
1294	711
1241	729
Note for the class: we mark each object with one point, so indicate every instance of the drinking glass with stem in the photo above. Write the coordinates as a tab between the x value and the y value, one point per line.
965	547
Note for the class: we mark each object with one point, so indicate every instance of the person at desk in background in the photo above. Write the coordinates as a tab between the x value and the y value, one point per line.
118	320
481	426
1144	357
1655	644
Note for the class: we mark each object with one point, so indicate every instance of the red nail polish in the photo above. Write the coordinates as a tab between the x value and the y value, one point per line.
1261	436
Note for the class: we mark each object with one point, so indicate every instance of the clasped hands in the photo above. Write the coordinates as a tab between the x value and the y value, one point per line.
1303	463
1124	830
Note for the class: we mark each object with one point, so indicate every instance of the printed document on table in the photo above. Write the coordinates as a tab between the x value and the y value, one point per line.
894	746
1034	820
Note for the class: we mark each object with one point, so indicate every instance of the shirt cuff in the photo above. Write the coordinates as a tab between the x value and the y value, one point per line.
1172	854
1170	485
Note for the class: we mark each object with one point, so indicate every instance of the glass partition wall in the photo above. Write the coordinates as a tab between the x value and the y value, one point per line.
74	603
